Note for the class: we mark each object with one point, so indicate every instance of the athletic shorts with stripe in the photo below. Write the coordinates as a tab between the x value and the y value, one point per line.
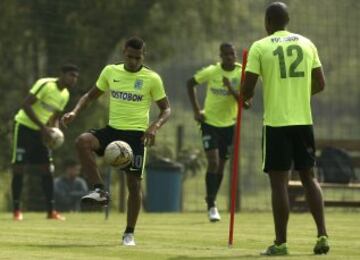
108	134
217	138
288	146
28	147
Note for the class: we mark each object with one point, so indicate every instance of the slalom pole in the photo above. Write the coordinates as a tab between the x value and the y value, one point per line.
236	156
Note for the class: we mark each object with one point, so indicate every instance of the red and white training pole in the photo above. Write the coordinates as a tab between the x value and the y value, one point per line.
236	155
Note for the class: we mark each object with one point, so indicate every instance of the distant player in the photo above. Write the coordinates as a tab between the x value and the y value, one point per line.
132	89
291	72
40	111
217	119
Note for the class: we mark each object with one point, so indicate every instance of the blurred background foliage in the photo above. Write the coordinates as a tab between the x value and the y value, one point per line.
37	36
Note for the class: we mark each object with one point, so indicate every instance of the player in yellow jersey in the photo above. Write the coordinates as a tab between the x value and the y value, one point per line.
291	72
217	119
132	88
39	112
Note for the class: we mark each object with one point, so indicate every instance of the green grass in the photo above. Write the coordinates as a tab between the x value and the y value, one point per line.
169	236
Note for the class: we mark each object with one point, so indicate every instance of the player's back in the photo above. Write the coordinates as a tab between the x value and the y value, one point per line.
285	64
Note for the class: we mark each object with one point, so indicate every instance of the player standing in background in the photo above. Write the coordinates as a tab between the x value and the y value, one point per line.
133	87
218	118
291	72
39	112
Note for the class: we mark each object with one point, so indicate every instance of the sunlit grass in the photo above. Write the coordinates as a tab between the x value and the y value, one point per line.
169	236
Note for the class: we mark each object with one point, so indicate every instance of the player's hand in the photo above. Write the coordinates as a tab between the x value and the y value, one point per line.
149	136
46	134
247	104
199	116
67	118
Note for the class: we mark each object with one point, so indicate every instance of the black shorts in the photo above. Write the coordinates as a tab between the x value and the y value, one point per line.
28	147
217	138
133	138
287	146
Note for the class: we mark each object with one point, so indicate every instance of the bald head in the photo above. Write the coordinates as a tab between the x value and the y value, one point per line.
276	17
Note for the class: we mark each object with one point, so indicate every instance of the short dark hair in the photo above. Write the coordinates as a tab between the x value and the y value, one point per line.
70	163
135	42
277	14
225	45
69	67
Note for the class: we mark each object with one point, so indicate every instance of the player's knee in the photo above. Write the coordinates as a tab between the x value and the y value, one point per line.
213	166
83	142
42	169
134	192
18	169
134	188
307	176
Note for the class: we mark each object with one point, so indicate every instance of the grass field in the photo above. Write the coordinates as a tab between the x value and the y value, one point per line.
169	236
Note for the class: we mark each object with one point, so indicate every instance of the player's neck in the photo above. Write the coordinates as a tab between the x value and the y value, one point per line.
227	67
60	85
132	71
274	30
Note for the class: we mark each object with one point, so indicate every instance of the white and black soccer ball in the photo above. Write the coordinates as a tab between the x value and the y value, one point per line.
118	154
57	138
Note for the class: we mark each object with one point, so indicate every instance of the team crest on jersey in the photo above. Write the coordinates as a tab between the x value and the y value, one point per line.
138	84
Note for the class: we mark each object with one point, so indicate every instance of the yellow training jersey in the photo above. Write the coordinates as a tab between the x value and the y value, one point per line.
220	106
284	61
131	95
50	99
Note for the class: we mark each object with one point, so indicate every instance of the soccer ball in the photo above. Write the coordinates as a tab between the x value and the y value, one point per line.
118	154
57	138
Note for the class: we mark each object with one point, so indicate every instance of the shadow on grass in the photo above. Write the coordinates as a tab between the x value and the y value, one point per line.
232	257
70	245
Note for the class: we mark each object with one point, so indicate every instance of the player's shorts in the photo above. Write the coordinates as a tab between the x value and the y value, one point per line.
108	134
28	147
288	146
217	138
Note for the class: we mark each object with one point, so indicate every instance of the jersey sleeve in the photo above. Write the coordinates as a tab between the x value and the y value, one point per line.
102	82
157	89
39	89
204	74
316	61
253	62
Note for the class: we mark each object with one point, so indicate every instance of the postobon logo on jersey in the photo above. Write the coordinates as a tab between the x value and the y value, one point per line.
219	92
126	96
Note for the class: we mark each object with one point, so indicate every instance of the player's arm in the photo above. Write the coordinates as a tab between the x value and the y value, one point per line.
317	80
27	107
54	120
234	93
248	87
165	111
93	94
198	113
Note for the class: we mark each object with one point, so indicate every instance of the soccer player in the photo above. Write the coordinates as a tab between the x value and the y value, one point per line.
291	72
217	119
133	87
39	112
